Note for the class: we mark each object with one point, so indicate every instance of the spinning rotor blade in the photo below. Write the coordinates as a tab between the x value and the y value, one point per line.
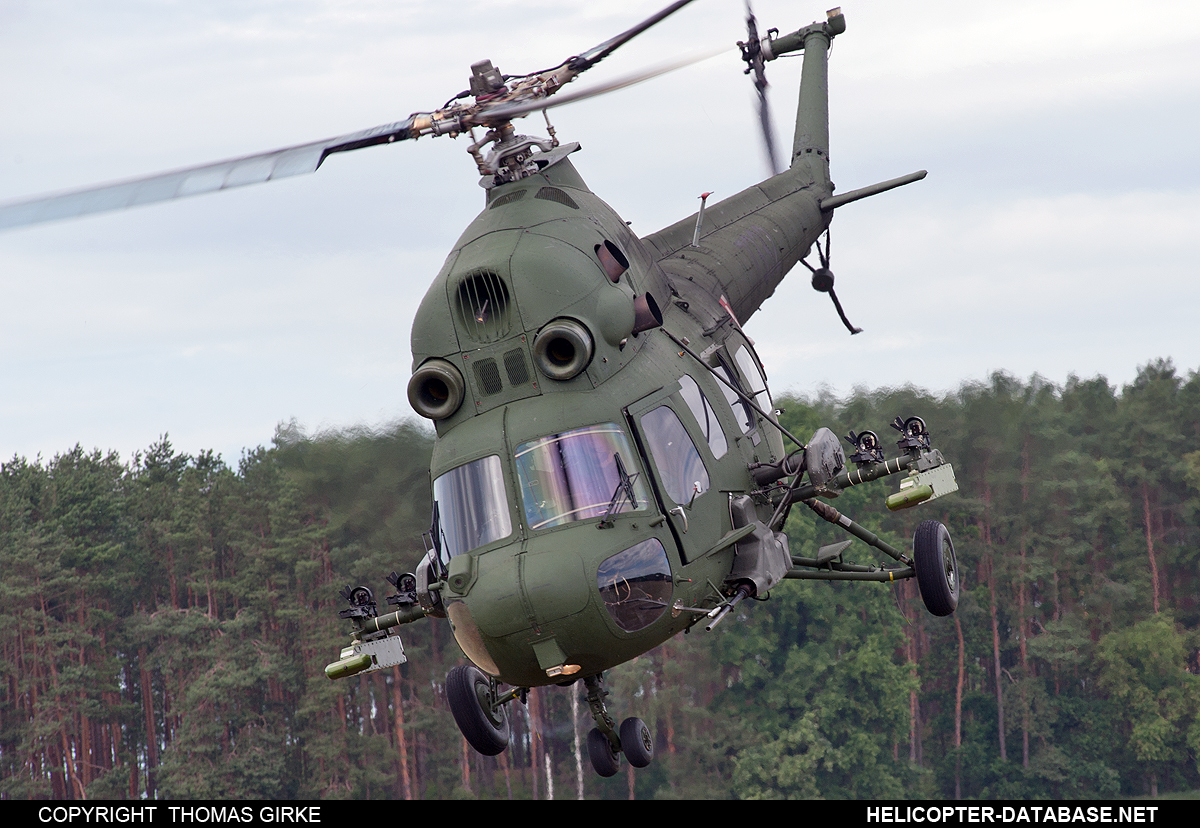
204	178
752	53
528	91
528	94
764	118
596	54
508	111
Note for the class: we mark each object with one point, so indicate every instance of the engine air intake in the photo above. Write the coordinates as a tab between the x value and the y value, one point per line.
556	195
483	308
436	389
563	349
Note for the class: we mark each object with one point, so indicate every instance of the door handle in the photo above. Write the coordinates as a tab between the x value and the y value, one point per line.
678	510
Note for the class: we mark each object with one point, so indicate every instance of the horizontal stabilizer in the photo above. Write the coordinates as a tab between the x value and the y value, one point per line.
828	204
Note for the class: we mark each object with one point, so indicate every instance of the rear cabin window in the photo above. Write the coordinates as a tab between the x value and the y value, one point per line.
752	371
706	418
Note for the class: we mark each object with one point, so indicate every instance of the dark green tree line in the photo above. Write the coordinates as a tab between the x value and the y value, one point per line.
168	619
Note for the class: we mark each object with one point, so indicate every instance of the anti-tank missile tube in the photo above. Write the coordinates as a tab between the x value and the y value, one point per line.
392	619
368	629
853	477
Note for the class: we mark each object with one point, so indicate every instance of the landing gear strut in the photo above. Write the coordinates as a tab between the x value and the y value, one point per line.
605	743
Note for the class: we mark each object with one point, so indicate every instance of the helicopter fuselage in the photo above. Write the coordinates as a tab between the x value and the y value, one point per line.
589	479
609	469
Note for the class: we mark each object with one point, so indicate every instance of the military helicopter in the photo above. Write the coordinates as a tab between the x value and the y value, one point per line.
609	469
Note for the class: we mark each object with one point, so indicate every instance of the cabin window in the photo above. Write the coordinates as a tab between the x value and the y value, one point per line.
754	376
472	506
636	585
742	413
578	474
679	464
706	418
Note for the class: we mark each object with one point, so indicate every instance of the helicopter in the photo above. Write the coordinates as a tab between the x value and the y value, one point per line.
609	470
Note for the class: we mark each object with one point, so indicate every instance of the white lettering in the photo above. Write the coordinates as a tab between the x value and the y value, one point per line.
289	813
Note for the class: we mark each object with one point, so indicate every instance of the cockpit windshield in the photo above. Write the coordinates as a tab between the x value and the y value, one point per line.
472	508
575	475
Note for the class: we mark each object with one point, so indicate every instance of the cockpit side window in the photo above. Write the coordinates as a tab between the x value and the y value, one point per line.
472	506
579	474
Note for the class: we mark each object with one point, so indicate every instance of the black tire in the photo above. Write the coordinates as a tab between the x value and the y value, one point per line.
605	760
469	691
636	742
937	568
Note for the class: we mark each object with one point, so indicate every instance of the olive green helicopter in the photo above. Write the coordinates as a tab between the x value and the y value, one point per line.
608	469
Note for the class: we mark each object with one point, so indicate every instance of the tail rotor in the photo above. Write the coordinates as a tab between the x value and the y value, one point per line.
756	58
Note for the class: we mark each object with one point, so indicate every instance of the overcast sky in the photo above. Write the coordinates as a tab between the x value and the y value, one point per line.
1056	232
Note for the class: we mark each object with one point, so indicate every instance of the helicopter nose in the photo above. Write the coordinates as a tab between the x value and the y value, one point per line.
519	587
507	605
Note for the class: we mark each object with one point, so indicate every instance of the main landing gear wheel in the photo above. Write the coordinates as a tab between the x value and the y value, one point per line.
605	760
937	568
470	695
636	742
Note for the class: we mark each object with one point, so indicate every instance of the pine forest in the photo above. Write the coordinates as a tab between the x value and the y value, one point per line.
167	619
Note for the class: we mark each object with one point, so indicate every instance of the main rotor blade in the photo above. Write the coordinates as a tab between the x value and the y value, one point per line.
504	112
205	178
596	54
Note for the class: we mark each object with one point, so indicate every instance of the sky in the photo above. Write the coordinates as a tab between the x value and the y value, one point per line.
1055	232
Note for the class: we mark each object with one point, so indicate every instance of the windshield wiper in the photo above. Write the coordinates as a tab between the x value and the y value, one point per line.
436	535
624	490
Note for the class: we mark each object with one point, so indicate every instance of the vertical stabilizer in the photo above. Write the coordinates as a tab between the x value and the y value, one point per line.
812	114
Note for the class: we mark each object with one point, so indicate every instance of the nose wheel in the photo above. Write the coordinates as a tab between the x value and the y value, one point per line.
606	743
605	759
636	742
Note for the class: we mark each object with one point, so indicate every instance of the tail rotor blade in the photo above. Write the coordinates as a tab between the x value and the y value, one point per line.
752	54
764	117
